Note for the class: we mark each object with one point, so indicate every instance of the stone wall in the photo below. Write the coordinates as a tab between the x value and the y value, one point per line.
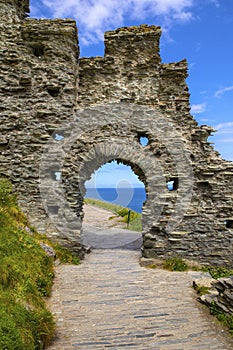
220	294
65	115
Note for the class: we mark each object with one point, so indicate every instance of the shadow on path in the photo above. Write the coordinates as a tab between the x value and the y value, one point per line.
111	238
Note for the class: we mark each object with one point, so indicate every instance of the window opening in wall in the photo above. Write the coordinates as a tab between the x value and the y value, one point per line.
53	91
56	175
144	141
118	190
38	51
58	137
229	223
173	184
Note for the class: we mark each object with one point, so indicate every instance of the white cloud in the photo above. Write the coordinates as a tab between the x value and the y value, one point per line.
95	17
228	126
198	108
220	92
224	139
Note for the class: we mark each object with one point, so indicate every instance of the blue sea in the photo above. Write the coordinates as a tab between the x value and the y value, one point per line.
132	198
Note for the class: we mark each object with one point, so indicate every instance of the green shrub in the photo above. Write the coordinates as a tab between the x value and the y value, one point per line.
217	272
123	212
175	264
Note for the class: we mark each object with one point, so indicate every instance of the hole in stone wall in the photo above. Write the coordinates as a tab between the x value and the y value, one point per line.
143	139
115	183
38	50
56	175
173	184
58	137
192	157
53	91
229	223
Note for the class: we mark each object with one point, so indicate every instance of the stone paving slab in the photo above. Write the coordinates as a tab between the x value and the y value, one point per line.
111	302
105	238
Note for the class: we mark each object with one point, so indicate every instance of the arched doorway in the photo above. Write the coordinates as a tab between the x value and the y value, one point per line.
113	205
146	167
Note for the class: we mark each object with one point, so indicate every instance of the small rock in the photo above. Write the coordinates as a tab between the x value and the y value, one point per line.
203	282
48	250
207	299
87	249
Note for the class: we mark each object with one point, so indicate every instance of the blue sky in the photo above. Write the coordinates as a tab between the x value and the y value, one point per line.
198	30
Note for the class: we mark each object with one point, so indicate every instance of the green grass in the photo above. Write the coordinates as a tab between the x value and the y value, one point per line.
26	276
62	253
175	264
217	272
135	222
224	318
201	290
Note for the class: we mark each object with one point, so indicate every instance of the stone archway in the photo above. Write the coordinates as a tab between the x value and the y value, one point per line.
144	165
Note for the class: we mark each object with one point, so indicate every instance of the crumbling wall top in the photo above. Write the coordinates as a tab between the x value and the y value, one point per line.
134	44
22	6
143	29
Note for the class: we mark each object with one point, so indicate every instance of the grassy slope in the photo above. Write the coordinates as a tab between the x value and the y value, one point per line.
26	275
135	218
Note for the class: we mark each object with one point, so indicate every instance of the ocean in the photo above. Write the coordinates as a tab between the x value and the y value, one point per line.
132	198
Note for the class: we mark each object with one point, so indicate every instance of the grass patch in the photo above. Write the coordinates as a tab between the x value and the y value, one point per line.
224	318
101	204
63	254
26	275
217	272
152	266
135	219
175	264
201	290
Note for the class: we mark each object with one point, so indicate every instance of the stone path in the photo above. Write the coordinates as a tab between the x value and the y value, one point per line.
110	302
101	232
103	238
100	217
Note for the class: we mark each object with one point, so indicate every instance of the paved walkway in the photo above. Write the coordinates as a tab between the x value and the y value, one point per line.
110	302
111	238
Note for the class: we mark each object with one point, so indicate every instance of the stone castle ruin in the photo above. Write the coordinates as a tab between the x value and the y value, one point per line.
62	117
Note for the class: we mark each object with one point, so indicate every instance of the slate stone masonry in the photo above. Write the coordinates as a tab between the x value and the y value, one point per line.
47	92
